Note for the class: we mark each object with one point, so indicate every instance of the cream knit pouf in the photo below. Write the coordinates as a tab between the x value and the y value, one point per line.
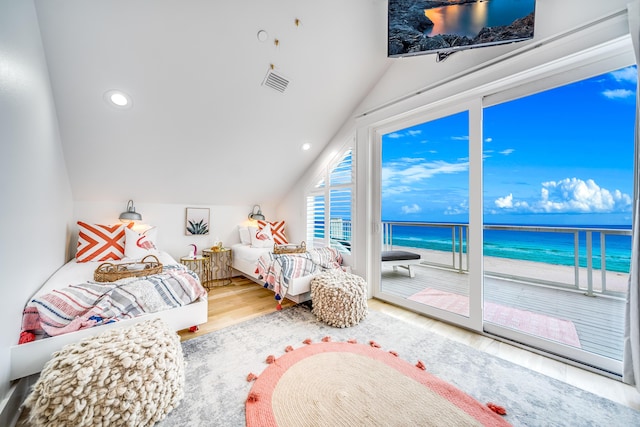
339	298
131	376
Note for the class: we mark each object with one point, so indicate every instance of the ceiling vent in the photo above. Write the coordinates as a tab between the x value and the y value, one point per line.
275	81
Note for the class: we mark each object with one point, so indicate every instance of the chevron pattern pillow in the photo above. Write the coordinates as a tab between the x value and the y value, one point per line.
277	230
100	242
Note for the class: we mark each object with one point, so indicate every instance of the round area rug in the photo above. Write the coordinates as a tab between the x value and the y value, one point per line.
350	384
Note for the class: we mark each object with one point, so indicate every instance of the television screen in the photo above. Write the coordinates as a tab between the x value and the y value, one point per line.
417	27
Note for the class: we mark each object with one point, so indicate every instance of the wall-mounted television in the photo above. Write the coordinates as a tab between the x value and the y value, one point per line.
418	27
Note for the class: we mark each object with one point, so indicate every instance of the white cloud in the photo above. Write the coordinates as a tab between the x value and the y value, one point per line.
628	74
570	195
488	139
397	135
618	93
460	138
411	209
507	151
402	177
407	172
507	202
411	159
462	208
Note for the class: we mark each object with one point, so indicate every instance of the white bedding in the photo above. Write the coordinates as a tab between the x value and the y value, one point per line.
29	358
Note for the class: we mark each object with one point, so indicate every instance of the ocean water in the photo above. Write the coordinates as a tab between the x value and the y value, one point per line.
547	247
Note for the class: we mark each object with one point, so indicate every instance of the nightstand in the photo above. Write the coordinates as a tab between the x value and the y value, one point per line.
199	265
220	266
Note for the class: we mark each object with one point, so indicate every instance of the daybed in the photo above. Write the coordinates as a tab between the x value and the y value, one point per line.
174	295
404	259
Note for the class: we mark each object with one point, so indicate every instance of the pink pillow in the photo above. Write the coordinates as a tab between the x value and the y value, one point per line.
98	242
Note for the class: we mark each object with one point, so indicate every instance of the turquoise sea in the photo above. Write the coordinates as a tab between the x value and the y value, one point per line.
547	247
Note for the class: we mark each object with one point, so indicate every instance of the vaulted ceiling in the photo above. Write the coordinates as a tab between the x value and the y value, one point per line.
202	127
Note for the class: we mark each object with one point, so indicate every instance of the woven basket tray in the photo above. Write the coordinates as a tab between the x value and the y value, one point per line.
108	272
290	249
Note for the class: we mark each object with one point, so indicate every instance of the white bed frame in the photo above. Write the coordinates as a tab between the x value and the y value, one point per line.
299	288
29	358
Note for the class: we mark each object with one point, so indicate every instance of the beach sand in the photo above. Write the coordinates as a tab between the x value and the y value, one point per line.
529	270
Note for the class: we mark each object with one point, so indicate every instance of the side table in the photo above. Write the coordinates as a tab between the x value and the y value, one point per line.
220	266
199	265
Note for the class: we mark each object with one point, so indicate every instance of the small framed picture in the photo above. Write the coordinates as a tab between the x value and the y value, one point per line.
197	222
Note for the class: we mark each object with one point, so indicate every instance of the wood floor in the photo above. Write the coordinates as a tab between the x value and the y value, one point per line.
244	300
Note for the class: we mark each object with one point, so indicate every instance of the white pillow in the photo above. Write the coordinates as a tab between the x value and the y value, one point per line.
261	238
245	237
138	245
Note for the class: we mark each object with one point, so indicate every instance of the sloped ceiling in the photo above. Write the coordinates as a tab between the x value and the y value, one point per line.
203	129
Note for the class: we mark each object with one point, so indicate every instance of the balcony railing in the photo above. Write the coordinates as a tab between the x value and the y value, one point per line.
459	260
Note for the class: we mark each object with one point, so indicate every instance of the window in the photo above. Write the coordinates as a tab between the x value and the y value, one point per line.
336	200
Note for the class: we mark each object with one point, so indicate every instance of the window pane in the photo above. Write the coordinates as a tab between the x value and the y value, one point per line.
425	211
342	173
340	219
315	221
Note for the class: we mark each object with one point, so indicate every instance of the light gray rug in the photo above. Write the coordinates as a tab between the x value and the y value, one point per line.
218	364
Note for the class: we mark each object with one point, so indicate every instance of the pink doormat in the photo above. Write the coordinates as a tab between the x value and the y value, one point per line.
552	328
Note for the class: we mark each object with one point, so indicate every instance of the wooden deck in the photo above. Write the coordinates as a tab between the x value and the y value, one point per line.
599	320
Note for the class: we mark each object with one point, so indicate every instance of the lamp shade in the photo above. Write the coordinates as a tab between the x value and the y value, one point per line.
130	214
256	215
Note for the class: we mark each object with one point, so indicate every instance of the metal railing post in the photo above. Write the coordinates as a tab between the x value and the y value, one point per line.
589	264
576	258
603	262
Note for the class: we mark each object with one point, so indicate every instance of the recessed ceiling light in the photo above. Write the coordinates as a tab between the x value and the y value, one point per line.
118	99
306	146
262	35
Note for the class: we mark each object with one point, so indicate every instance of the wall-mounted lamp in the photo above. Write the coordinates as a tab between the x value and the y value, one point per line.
130	214
256	215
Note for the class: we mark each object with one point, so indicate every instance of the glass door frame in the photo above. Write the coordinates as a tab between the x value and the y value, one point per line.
474	108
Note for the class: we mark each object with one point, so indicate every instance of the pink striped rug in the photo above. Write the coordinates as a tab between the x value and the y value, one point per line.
551	328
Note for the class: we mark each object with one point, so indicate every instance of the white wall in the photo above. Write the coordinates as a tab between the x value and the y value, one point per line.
170	221
34	188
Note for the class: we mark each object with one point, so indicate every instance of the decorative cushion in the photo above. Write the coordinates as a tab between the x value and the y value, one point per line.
261	238
245	237
100	242
138	245
277	229
131	376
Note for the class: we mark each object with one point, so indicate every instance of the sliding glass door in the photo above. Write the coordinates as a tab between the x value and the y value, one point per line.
558	183
519	208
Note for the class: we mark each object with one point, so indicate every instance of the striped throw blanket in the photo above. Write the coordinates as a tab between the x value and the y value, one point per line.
277	270
92	303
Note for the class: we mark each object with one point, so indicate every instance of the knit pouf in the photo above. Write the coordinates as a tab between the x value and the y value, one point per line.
131	376
339	298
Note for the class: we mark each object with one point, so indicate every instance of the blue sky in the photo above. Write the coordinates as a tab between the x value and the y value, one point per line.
561	157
